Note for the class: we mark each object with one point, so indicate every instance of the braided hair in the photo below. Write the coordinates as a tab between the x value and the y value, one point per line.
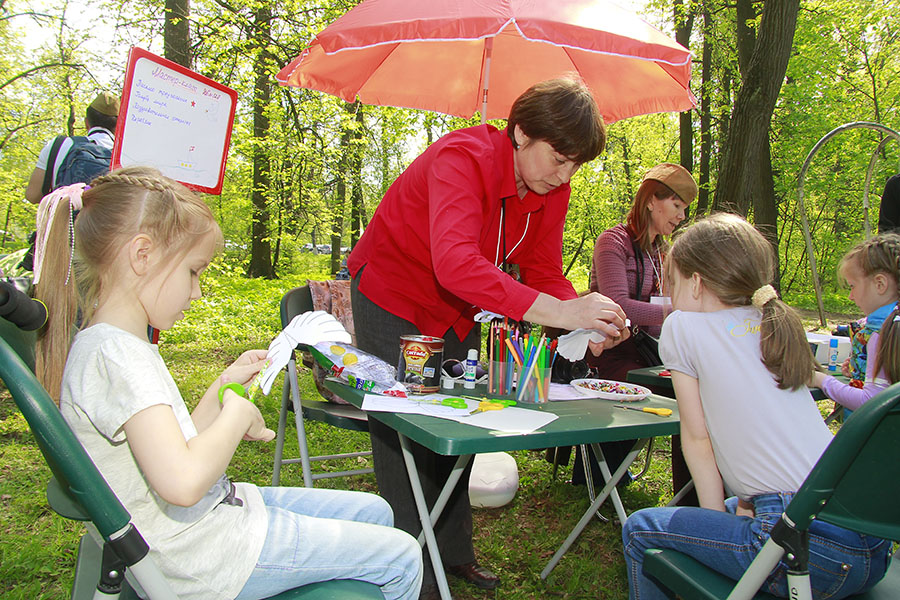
116	207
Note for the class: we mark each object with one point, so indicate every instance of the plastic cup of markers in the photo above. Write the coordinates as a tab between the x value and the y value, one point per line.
536	385
500	377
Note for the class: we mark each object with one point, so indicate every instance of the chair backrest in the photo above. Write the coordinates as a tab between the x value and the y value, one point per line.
21	341
856	482
295	302
66	457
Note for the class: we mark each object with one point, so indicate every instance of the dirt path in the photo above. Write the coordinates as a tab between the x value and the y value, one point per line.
811	319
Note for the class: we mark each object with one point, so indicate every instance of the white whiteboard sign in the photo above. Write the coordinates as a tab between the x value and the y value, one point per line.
175	120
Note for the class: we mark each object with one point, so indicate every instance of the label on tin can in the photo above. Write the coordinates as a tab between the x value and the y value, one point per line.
420	363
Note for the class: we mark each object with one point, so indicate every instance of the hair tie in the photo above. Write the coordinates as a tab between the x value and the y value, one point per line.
762	296
46	212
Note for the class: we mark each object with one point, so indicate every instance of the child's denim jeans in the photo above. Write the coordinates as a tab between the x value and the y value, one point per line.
841	562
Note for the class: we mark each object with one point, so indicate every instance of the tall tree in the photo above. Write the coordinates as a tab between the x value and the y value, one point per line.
705	115
745	173
177	32
684	23
260	246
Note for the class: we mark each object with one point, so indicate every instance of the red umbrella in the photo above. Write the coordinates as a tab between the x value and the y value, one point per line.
459	56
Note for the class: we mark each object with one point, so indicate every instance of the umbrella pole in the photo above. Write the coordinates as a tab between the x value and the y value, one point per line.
485	77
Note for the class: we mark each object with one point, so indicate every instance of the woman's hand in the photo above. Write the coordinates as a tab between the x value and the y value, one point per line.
592	311
597	348
244	369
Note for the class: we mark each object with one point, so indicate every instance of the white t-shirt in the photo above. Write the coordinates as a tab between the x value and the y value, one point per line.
206	551
764	439
98	135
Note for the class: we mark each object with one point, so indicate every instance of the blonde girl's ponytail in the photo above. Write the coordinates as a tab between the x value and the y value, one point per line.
783	345
54	281
736	264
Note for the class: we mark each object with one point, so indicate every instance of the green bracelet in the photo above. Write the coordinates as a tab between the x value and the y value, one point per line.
234	387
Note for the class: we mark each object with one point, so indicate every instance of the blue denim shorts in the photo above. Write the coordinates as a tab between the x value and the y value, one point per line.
840	560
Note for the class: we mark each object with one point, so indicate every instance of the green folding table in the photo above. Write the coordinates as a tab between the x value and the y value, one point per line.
587	421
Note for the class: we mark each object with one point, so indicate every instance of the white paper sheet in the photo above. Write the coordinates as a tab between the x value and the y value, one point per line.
564	391
507	420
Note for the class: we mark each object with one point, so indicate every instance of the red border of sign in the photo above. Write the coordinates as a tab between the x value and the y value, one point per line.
133	56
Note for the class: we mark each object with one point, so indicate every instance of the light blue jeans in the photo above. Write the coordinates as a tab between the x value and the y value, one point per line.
841	562
319	535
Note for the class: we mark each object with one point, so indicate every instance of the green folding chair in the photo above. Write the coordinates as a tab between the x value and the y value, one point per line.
855	485
295	302
113	547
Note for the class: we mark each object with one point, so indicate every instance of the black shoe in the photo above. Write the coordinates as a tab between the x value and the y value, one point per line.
476	575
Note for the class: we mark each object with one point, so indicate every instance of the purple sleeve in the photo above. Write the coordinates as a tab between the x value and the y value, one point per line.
851	397
614	271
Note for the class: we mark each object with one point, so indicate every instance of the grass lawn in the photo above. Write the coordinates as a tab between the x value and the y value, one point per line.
37	547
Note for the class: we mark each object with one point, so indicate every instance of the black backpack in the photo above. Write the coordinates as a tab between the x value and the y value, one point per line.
84	161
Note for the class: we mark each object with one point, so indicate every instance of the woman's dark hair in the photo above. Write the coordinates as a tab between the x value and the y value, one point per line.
95	118
563	113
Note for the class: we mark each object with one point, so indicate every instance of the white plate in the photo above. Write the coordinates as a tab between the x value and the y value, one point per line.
600	388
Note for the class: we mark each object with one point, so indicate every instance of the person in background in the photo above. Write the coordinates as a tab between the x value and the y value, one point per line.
141	243
740	363
872	271
475	222
627	267
889	210
66	160
100	121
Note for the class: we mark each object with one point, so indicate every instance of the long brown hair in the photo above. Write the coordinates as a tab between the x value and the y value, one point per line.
734	260
117	207
638	219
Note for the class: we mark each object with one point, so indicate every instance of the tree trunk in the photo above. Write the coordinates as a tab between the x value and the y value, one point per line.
745	177
260	245
684	23
177	32
340	201
705	115
356	195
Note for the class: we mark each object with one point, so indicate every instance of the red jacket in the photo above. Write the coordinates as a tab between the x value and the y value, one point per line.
431	248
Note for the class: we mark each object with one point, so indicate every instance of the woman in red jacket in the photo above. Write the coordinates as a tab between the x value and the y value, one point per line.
475	222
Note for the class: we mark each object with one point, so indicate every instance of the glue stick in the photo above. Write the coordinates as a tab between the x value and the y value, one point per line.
469	373
832	354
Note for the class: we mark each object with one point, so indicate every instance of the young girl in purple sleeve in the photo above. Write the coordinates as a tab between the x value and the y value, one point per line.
872	271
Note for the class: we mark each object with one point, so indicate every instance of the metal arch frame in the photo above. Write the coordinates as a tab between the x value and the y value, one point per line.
806	234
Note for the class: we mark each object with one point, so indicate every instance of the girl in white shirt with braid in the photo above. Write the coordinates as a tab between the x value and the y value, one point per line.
140	243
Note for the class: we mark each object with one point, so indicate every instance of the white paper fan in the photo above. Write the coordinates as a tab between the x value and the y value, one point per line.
574	344
308	329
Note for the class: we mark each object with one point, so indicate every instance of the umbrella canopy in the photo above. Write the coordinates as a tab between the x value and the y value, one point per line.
460	56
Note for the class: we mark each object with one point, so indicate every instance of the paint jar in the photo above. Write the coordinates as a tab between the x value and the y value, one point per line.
419	368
